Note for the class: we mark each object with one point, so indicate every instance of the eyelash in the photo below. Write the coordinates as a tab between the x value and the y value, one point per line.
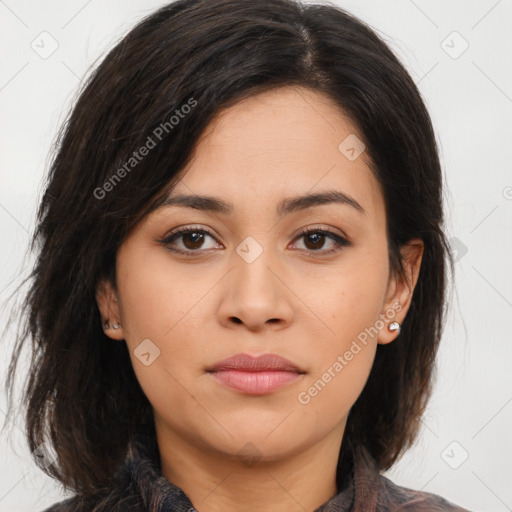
340	242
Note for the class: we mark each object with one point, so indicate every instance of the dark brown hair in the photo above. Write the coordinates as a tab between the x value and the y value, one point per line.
83	401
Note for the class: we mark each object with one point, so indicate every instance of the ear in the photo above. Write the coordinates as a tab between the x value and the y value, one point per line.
109	310
399	292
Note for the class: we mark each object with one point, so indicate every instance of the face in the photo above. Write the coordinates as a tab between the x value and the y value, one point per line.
244	278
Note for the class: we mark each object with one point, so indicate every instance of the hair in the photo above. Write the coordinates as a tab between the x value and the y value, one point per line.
166	80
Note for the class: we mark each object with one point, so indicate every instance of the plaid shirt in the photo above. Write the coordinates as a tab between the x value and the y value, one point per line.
140	487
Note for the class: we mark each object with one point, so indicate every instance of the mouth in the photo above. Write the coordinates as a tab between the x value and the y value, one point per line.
256	375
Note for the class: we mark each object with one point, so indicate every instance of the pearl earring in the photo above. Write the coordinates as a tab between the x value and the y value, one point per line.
394	326
113	326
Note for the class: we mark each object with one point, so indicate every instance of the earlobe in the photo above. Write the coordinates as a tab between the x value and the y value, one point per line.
400	291
108	306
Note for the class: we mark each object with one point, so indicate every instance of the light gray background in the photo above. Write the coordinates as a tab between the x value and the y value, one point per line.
470	100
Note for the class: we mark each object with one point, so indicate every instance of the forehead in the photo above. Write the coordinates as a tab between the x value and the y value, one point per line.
284	142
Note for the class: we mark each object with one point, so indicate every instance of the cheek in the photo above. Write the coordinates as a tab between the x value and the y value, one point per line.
163	303
349	299
157	306
157	294
328	396
343	361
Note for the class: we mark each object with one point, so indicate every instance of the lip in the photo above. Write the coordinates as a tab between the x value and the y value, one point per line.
248	363
255	375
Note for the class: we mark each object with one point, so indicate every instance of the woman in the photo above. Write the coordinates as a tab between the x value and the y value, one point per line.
240	284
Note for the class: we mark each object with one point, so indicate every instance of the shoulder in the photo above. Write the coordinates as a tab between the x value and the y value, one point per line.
411	500
69	505
111	501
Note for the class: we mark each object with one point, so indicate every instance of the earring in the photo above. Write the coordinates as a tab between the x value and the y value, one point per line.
113	326
394	326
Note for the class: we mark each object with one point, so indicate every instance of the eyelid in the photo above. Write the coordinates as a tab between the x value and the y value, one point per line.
180	230
322	228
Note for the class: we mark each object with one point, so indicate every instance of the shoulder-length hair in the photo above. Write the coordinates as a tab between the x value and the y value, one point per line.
158	88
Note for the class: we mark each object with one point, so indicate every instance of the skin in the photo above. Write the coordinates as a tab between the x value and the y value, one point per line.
201	309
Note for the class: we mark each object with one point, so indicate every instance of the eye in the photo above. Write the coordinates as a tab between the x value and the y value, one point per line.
188	239
315	239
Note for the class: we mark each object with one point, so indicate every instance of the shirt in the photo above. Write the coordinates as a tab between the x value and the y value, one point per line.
140	487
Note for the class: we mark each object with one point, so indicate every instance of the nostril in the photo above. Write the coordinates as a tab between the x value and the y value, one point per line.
236	320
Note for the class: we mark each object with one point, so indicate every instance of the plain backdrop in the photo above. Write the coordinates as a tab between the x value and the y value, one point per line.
458	52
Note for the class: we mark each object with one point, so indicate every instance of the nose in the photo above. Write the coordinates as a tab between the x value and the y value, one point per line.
255	295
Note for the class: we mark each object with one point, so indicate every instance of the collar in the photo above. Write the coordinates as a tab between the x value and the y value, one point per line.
357	479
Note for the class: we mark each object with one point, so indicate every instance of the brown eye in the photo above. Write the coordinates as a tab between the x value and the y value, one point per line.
315	240
193	240
189	241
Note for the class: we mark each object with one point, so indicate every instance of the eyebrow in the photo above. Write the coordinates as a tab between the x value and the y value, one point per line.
285	206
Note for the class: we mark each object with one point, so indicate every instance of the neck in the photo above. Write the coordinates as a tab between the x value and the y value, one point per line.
216	482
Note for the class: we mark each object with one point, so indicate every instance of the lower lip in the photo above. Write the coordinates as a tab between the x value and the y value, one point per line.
255	383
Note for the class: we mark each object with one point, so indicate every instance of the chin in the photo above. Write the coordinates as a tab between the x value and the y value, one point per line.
259	444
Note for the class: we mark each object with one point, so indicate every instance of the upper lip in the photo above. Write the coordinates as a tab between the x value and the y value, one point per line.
246	362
